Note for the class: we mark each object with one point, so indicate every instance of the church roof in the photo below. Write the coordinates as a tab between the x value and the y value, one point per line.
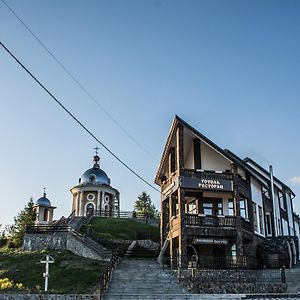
94	175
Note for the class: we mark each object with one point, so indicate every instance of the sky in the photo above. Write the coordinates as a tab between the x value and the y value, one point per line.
231	69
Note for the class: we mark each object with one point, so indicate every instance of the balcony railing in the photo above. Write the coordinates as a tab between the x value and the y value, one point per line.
206	174
210	221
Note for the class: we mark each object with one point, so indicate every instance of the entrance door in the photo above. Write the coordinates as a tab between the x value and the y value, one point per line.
89	210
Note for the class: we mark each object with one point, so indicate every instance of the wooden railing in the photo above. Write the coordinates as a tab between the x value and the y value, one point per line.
106	276
211	221
207	174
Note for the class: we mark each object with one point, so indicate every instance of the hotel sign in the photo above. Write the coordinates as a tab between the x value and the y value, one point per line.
223	185
210	241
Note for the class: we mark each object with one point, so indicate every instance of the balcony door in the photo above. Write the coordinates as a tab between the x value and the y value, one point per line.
212	206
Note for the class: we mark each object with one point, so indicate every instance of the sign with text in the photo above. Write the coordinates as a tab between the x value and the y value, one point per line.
207	241
207	184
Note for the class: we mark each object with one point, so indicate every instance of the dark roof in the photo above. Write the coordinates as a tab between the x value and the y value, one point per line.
227	153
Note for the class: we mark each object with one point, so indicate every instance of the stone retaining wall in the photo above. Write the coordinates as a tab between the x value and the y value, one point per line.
234	281
59	241
47	297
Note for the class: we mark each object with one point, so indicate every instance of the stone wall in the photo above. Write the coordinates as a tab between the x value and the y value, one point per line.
47	297
60	241
148	244
41	241
234	281
77	247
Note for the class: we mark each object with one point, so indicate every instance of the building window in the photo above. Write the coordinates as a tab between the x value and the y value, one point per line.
279	227
207	208
268	224
172	160
90	197
230	207
192	208
220	208
243	209
233	250
260	215
46	215
92	178
254	216
266	192
282	201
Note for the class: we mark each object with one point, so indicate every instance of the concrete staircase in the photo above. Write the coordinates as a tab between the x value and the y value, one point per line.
293	279
144	279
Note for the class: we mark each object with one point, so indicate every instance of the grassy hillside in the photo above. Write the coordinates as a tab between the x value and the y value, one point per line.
123	229
69	274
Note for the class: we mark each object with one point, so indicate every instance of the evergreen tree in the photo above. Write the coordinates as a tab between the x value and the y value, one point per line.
143	205
16	232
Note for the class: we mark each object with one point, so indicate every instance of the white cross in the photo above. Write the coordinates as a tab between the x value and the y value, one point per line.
47	259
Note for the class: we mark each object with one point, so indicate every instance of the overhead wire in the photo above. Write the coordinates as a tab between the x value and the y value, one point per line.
76	119
82	87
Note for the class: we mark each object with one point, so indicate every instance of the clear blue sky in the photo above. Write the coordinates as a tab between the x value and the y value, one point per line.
229	68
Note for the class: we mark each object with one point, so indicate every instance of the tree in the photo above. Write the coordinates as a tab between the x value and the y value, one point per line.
16	232
2	237
144	206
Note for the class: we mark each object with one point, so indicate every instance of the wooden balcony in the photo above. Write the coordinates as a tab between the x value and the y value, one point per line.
206	174
210	221
218	226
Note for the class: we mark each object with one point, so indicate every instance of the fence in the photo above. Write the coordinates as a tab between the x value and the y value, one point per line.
106	275
212	262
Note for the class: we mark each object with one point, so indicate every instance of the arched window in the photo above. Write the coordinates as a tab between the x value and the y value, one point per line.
90	209
46	214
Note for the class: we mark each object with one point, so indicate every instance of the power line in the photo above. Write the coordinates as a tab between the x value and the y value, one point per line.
76	120
84	89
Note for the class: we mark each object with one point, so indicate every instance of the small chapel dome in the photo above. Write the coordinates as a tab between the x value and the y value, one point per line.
43	201
95	175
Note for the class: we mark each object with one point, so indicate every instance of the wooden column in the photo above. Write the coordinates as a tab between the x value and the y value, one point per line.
236	198
181	198
170	236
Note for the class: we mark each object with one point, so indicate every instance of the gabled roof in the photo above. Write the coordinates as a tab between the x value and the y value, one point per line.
177	120
225	152
250	160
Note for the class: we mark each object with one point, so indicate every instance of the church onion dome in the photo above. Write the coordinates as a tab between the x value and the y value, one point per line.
95	175
43	201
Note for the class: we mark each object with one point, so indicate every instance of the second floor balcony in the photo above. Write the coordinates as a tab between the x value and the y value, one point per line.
204	225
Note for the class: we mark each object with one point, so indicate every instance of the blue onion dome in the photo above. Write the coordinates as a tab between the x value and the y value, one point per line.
95	175
43	201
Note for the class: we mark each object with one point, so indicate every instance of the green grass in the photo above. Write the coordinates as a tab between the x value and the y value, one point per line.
122	229
69	274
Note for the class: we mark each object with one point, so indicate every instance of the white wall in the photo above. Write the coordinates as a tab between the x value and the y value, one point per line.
213	160
257	199
277	211
289	209
189	156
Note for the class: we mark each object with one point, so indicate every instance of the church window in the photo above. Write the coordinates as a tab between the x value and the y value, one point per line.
46	214
92	179
90	197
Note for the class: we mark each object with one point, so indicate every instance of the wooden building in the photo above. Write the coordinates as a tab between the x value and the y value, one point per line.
220	210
